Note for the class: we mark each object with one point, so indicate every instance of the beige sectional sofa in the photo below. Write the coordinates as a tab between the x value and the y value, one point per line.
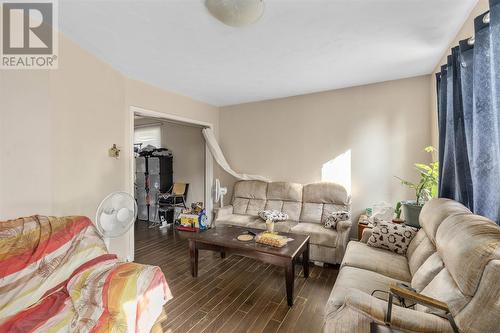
454	258
306	205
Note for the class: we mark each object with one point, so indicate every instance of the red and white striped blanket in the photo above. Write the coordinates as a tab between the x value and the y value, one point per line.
56	276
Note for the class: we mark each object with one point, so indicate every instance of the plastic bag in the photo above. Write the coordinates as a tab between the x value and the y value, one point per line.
382	211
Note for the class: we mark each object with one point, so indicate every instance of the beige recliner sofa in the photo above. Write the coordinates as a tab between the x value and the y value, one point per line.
454	258
307	207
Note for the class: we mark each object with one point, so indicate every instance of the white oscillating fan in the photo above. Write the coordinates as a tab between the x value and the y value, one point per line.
219	192
116	214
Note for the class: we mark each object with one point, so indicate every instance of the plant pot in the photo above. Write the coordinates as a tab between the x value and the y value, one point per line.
411	212
398	221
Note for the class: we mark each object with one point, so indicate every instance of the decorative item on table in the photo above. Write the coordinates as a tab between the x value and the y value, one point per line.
368	211
425	189
245	237
272	239
270	225
397	213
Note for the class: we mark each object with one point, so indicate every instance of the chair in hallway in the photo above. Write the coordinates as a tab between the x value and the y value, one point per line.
176	197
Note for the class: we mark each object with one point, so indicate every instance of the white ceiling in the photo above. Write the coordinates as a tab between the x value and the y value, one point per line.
298	47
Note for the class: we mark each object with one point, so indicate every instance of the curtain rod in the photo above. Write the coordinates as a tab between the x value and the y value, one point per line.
486	20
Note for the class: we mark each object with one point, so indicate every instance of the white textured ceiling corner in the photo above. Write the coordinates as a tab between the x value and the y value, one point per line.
298	47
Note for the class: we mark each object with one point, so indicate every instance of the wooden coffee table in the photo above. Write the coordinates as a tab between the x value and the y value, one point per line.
223	239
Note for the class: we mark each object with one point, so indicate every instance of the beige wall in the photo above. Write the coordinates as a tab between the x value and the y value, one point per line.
466	32
188	146
385	126
26	172
57	127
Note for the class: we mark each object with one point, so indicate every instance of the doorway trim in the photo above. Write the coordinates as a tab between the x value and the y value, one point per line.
209	165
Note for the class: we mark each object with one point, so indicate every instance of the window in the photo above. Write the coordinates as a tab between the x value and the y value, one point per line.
148	135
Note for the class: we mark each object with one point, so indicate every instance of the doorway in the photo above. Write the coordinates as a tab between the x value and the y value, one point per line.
185	156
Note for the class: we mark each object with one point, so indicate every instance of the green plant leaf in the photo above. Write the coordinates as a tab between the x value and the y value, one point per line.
427	187
424	167
407	183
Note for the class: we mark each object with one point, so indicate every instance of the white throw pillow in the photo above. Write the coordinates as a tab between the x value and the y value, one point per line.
335	217
274	215
391	236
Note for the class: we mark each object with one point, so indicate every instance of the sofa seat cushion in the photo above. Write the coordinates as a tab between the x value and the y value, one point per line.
377	260
350	278
318	233
238	220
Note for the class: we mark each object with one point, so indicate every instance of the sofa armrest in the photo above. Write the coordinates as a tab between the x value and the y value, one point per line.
223	211
367	233
360	309
343	231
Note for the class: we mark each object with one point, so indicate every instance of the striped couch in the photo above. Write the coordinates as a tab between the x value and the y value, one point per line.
57	276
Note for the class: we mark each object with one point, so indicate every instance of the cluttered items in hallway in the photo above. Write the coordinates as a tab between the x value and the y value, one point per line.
193	219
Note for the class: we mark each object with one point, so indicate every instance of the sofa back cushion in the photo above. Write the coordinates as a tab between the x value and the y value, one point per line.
308	203
415	242
432	215
321	199
40	253
240	205
427	272
285	197
250	189
469	247
435	212
467	243
442	287
482	313
284	191
420	254
249	197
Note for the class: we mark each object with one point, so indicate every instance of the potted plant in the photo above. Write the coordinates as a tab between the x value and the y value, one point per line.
397	212
425	189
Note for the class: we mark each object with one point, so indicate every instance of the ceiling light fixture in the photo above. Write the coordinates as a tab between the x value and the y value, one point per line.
236	13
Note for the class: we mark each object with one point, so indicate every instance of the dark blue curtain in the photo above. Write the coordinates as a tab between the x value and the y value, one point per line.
469	119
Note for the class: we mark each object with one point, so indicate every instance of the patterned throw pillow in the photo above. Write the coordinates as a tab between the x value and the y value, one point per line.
391	236
274	215
335	217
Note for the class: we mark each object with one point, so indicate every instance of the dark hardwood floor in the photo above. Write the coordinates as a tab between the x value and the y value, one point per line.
235	294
